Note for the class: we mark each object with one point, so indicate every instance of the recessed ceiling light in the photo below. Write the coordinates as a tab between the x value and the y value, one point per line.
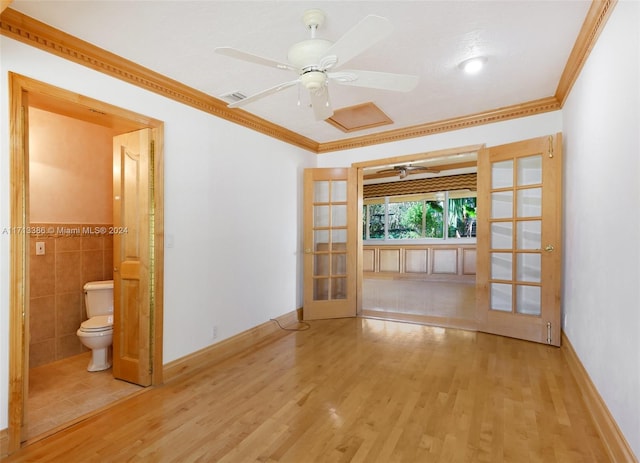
473	65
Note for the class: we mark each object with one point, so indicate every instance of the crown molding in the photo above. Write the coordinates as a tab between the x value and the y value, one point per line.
487	117
27	30
4	4
592	26
37	34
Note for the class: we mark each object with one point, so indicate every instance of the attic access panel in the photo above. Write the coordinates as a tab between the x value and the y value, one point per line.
359	117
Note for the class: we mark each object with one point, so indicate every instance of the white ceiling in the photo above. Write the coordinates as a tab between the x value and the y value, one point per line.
527	43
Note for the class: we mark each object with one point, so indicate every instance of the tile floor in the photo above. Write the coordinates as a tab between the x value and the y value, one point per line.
63	391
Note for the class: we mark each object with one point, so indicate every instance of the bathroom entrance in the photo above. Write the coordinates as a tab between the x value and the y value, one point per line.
62	252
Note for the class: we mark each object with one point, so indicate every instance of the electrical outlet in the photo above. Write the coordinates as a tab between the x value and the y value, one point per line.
214	332
39	248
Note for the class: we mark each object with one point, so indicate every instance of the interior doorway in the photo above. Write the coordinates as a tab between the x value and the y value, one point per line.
430	281
27	93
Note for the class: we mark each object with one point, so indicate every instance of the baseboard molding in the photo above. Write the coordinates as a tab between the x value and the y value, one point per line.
4	443
613	439
222	350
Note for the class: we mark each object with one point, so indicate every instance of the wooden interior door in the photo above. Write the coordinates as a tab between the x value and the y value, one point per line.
330	243
132	226
519	239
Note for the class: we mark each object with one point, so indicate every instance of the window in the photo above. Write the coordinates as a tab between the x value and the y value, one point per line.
421	216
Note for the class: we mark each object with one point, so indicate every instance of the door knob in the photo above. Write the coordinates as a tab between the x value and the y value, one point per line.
307	251
549	248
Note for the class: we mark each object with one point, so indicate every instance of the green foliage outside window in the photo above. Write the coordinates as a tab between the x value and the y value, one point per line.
422	218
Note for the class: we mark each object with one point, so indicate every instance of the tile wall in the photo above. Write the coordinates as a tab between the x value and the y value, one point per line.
71	259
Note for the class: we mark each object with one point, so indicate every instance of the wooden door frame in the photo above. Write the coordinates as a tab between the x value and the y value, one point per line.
24	90
360	166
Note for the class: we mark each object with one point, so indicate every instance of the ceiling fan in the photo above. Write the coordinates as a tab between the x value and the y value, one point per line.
403	171
315	59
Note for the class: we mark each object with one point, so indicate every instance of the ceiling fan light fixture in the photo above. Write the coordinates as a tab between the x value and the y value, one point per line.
473	65
313	80
308	53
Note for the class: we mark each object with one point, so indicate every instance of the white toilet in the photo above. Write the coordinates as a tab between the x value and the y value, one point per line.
96	333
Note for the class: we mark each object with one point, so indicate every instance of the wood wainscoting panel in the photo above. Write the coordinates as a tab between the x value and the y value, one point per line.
445	261
416	260
468	261
389	260
368	260
428	262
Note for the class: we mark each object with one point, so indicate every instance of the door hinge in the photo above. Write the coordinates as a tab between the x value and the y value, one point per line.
548	332
550	146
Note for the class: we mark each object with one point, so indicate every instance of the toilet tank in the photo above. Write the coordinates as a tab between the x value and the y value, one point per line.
98	298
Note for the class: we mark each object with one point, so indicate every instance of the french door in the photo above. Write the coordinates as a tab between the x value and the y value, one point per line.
519	239
330	243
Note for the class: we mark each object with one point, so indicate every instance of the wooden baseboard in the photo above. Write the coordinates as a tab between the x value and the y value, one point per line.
613	439
224	349
4	443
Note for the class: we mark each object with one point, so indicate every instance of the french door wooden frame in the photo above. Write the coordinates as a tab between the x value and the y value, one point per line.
545	327
330	243
23	92
520	239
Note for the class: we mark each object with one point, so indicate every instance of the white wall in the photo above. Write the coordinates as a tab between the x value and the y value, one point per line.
235	261
602	224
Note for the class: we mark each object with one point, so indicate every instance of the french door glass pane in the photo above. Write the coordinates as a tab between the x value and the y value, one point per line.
528	233
528	267
321	265
338	288
338	215
501	266
528	300
321	240
530	170
321	289
502	174
338	264
320	216
500	297
321	192
530	202
502	205
339	236
501	235
338	191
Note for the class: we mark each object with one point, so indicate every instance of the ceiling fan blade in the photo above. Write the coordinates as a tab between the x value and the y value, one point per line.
244	56
374	79
416	169
321	105
263	93
359	38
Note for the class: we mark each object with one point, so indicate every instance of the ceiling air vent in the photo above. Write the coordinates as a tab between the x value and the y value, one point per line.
233	97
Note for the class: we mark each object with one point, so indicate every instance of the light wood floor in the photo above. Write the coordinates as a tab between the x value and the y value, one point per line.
63	391
351	390
442	303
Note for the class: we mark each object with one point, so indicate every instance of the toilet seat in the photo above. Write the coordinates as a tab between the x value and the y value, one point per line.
97	324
